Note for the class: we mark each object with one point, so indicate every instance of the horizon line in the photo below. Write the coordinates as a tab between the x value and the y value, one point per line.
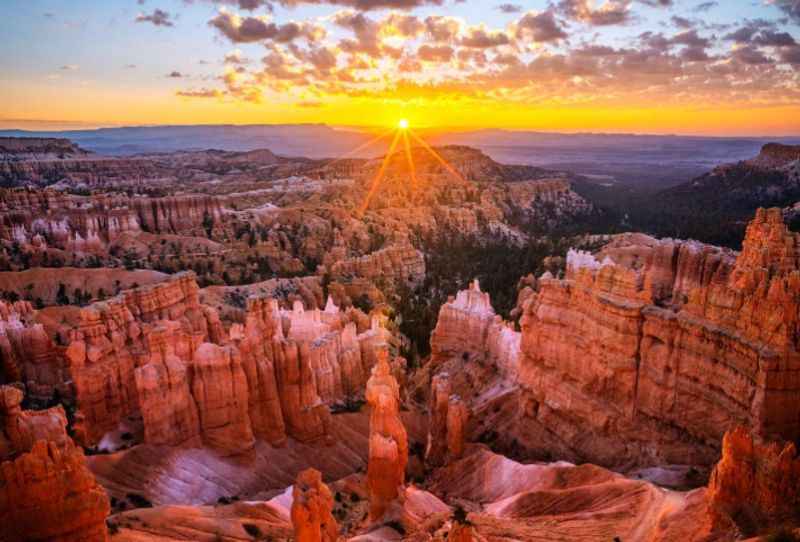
88	126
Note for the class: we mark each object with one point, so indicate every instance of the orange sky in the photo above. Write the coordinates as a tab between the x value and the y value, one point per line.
574	65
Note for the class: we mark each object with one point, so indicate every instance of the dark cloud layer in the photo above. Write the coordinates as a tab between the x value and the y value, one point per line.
158	18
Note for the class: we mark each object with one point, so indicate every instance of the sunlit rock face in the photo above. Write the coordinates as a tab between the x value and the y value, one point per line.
27	354
157	352
388	440
400	262
46	491
90	223
755	483
650	354
312	506
447	423
468	324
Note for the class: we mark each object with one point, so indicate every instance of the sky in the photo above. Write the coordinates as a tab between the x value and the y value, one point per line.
724	67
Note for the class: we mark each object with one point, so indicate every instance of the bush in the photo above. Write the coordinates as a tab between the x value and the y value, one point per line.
252	530
139	501
783	534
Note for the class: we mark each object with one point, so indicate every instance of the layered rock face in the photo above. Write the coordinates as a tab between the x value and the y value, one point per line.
46	491
399	262
312	507
158	353
651	354
776	155
468	324
86	223
388	440
447	426
27	354
755	483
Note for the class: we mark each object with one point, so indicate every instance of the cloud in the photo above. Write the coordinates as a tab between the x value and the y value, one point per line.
367	5
442	28
200	93
175	75
770	38
158	18
791	55
250	29
436	53
69	67
539	27
750	55
681	22
481	38
539	58
610	12
790	8
705	6
235	57
510	8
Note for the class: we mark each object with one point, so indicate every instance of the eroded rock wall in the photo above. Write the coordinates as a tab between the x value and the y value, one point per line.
47	493
651	358
755	483
159	353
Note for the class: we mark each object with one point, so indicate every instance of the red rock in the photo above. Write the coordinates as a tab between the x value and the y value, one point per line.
468	324
447	425
46	491
755	483
219	388
664	350
388	442
312	508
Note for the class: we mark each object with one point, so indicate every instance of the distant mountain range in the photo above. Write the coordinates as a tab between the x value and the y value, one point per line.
641	161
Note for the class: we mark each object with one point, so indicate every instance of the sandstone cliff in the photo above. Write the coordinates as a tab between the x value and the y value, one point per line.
468	325
158	353
652	353
755	484
46	491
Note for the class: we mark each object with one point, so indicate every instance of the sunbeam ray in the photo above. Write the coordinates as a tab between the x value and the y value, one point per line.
361	147
411	167
379	176
438	157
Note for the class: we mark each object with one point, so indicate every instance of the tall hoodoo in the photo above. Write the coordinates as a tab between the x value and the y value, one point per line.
388	440
447	423
312	507
47	493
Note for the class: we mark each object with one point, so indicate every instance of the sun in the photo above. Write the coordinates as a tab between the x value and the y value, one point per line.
403	124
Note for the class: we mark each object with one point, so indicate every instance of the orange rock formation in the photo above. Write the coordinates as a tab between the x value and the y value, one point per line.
651	354
388	441
46	491
158	352
312	508
447	426
755	483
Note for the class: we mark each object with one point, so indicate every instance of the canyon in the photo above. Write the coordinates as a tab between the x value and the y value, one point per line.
237	357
